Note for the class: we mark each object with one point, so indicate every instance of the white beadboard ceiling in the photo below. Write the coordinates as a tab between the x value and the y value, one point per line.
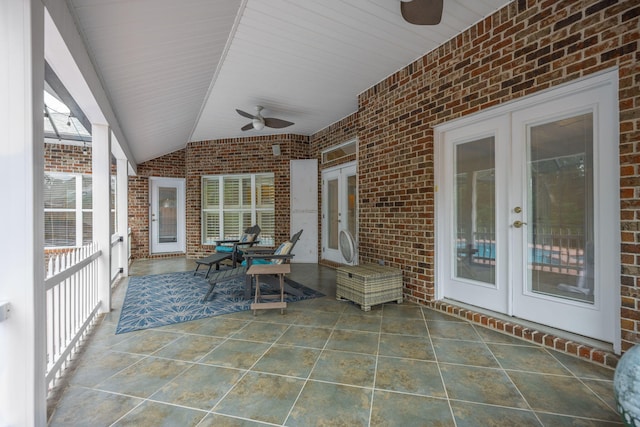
175	71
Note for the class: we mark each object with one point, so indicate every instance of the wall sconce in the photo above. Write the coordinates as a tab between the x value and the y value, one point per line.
276	150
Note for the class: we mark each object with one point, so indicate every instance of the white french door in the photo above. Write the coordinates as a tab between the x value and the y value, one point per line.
339	195
528	219
167	215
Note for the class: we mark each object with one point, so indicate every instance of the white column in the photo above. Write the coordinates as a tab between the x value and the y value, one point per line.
101	178
22	334
123	214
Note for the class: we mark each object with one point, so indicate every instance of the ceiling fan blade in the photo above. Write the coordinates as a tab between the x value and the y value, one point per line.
247	115
248	126
422	12
276	123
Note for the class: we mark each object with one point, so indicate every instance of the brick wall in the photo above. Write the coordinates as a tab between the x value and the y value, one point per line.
171	165
240	155
229	156
524	48
66	158
338	133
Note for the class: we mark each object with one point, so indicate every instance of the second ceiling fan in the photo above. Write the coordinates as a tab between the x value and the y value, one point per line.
422	12
258	122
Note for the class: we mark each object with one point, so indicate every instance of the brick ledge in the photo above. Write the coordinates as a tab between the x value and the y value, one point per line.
555	342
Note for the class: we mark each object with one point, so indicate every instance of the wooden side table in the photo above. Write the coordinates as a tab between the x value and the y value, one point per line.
272	269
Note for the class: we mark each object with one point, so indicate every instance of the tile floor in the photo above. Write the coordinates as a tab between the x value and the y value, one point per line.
325	362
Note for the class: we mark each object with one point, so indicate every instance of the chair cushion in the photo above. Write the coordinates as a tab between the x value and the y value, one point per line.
258	261
283	249
225	249
247	238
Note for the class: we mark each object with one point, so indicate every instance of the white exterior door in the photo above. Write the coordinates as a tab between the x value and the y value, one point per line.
528	210
339	211
167	215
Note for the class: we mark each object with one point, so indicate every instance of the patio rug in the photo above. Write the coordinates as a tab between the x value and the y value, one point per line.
165	299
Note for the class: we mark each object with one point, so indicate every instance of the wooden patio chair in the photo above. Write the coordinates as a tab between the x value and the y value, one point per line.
229	250
253	255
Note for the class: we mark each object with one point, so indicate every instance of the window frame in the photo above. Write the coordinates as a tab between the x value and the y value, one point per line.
252	208
79	208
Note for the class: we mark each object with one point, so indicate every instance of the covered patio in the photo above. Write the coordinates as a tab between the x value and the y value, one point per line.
491	158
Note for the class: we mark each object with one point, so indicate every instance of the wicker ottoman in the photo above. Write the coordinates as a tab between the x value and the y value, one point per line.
369	284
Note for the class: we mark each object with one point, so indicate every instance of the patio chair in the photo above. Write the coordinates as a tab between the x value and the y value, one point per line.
282	253
229	250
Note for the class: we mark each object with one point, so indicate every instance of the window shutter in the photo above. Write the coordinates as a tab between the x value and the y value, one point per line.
245	200
59	192
211	193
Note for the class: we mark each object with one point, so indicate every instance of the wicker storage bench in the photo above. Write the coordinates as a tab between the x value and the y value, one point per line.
369	284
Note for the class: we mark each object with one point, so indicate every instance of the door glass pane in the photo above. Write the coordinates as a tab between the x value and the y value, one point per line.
560	208
475	244
167	215
351	204
332	211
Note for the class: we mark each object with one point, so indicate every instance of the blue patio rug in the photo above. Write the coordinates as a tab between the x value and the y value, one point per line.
165	299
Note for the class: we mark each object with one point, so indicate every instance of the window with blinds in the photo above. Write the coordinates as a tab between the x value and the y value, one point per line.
232	203
67	210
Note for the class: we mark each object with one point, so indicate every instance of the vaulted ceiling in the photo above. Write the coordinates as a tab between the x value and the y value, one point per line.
175	71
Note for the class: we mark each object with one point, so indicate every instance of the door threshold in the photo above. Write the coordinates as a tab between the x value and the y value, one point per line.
566	342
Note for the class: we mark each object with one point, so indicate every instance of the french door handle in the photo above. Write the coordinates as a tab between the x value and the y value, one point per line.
518	224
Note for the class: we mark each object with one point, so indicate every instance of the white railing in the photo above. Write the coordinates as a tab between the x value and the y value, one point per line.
71	286
117	246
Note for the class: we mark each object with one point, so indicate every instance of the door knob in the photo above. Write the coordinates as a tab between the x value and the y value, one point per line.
518	224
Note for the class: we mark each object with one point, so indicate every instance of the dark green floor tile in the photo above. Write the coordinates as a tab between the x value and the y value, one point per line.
561	395
189	348
400	325
345	368
604	389
220	326
497	337
405	311
236	354
409	376
452	330
552	420
464	353
583	368
406	346
200	387
96	367
145	377
261	397
481	385
531	359
359	322
260	331
154	414
147	342
326	404
85	407
431	314
474	415
305	336
354	341
288	360
218	420
396	409
317	318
